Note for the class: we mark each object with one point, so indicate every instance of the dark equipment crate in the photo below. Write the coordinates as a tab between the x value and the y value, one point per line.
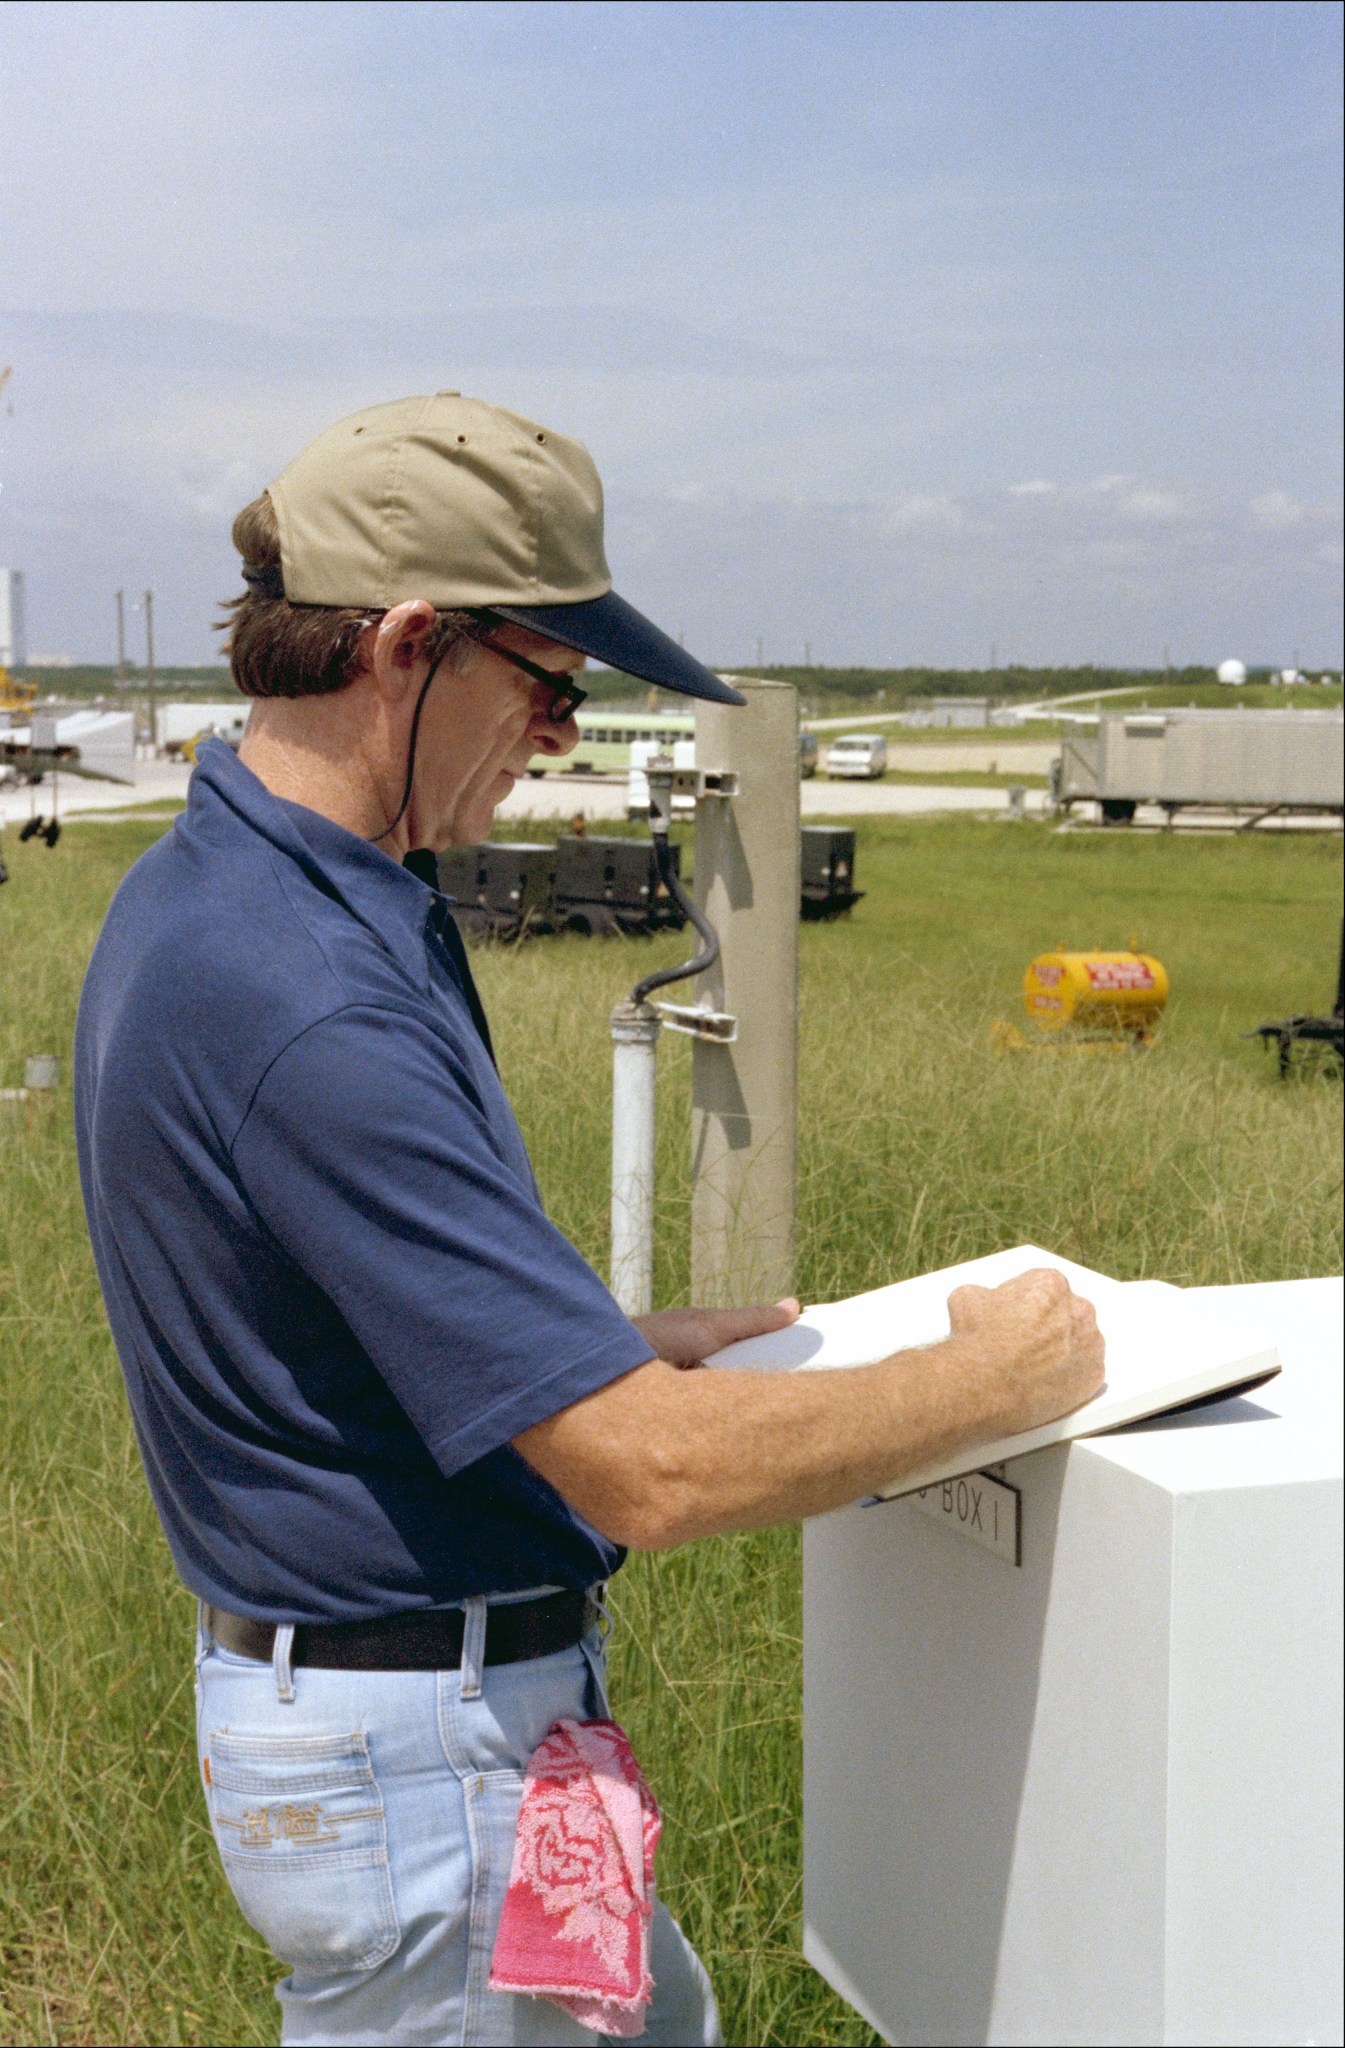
828	870
611	885
504	887
462	874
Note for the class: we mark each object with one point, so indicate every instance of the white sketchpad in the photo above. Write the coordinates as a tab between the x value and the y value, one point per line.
1165	1347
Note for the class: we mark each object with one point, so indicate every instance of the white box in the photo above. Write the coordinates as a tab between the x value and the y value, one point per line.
1094	1798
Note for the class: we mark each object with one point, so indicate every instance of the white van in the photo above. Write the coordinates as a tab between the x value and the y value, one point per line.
859	754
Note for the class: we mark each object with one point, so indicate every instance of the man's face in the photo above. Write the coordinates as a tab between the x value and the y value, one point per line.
480	727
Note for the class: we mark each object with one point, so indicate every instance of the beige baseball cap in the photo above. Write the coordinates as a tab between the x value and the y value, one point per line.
474	508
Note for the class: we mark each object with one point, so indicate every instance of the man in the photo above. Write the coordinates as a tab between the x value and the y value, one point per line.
397	1430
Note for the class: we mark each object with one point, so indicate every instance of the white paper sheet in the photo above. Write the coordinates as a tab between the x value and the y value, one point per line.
1162	1350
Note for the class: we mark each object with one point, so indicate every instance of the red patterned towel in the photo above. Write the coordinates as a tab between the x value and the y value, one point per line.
576	1920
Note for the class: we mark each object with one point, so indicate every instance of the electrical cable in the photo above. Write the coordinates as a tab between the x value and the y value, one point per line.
701	962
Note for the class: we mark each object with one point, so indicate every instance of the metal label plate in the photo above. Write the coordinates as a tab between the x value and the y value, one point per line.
985	1509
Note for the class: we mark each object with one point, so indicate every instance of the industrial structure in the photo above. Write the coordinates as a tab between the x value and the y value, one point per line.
13	620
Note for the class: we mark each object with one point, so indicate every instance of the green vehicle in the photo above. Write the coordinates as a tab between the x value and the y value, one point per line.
605	739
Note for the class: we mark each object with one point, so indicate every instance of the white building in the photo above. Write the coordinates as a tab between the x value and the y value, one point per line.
958	712
13	629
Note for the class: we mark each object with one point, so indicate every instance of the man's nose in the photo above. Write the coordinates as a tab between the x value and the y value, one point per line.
557	739
551	738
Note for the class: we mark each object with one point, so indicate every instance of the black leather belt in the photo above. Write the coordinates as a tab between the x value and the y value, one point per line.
423	1639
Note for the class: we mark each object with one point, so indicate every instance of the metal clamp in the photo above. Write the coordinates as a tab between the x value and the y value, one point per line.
666	781
698	1020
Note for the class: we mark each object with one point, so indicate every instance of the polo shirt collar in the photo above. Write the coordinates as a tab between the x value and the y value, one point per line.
388	898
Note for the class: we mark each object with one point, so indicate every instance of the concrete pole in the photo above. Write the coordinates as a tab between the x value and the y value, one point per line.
121	639
149	672
635	1030
744	1096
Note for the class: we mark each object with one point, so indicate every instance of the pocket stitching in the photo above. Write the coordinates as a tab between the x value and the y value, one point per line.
337	1763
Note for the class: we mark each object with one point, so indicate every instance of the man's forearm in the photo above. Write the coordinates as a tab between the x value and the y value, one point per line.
662	1456
665	1456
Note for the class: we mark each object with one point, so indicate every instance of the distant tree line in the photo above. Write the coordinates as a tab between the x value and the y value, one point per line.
894	686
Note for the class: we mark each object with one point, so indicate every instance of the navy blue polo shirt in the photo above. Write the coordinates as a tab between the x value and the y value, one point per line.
333	1288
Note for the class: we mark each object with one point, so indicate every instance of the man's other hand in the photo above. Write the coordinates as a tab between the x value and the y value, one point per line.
1029	1350
687	1336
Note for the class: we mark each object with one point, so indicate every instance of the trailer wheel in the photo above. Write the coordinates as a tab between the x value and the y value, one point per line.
1118	810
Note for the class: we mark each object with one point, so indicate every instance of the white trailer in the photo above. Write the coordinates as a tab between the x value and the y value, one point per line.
1254	761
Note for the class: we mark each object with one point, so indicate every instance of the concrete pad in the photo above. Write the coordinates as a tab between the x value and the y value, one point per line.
155	782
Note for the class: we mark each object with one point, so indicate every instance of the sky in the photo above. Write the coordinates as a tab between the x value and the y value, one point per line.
898	331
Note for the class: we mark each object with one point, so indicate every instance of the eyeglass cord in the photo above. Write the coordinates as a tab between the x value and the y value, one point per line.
393	823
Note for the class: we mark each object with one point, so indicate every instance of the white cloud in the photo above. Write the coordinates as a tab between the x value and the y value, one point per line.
1154	507
1274	510
752	491
931	514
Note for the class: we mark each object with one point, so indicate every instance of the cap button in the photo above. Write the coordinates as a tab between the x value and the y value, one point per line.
448	394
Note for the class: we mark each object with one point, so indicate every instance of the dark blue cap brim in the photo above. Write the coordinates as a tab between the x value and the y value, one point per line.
613	632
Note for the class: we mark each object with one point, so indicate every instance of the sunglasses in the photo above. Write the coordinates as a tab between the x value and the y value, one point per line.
566	696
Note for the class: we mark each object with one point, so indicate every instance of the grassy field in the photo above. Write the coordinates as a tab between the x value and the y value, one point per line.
1156	695
919	1146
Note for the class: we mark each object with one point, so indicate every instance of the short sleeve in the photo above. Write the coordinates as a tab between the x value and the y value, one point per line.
370	1158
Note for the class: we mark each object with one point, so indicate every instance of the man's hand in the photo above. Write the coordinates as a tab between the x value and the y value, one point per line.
1030	1350
687	1336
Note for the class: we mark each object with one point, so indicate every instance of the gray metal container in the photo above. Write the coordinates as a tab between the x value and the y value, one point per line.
1277	759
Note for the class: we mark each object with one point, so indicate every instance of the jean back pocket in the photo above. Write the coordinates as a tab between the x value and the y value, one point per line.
300	1826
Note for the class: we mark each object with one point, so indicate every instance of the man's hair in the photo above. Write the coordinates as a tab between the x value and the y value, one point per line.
279	649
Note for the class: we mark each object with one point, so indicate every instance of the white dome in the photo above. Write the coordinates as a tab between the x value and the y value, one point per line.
1232	672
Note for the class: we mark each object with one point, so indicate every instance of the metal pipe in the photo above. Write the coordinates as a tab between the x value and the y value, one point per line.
635	1029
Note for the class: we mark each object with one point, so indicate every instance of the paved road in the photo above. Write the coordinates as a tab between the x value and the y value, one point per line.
561	796
600	797
999	756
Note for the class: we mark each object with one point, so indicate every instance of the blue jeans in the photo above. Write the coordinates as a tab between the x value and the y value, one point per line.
366	1825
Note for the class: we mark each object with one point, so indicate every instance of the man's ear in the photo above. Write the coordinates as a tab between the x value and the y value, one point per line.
394	649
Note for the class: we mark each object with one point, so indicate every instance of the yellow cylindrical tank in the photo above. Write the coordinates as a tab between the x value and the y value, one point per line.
1113	993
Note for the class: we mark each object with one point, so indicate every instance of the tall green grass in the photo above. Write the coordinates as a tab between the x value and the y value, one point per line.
919	1146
